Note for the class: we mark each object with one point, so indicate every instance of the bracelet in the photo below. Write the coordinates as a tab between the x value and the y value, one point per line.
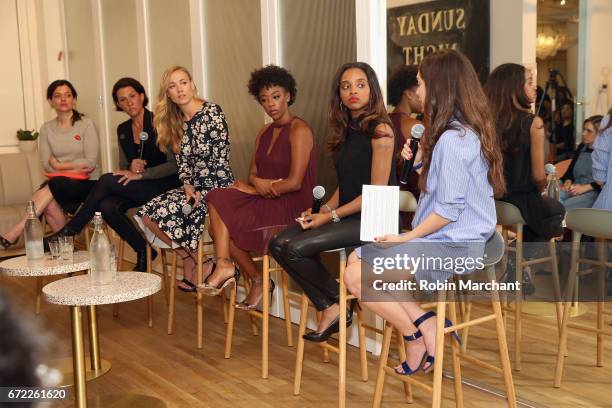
418	166
335	217
328	207
596	186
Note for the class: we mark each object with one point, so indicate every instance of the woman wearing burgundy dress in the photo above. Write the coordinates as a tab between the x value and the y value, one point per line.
279	188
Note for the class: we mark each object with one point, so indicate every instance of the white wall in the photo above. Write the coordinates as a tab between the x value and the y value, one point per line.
598	56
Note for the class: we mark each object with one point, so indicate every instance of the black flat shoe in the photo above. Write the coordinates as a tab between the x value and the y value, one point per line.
5	243
334	327
141	260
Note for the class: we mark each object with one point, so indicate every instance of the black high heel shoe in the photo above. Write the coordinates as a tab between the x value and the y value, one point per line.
334	327
5	243
246	306
141	260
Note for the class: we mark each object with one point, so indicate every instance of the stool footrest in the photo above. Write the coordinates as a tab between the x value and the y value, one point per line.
372	328
536	261
470	323
480	363
408	379
589	329
330	347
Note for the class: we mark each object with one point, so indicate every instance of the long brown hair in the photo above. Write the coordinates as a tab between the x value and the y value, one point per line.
454	93
168	118
505	90
339	116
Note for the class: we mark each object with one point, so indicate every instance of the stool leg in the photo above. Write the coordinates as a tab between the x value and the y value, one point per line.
299	354
149	298
166	277
287	308
568	296
401	350
265	318
466	331
199	299
502	343
600	303
452	310
363	357
247	287
229	331
439	351
342	335
382	364
325	349
555	277
518	324
78	357
504	266
39	285
171	288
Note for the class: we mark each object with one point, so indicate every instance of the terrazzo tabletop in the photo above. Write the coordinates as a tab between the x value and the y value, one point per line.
20	266
78	290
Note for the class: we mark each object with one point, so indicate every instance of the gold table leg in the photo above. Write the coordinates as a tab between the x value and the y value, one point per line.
78	358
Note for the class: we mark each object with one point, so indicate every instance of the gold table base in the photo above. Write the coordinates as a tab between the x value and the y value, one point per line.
65	366
547	309
126	400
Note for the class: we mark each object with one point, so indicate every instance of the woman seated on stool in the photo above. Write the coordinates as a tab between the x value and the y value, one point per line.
579	189
281	178
145	172
195	130
69	144
602	163
361	141
462	170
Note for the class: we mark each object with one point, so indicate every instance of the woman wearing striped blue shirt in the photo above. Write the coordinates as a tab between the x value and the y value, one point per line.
461	172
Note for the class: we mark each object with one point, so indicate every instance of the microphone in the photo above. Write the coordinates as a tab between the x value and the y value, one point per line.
143	136
317	198
550	169
188	206
416	132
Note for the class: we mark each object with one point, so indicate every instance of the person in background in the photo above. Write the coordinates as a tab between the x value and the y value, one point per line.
462	171
139	178
196	132
281	178
602	163
361	141
579	189
565	132
68	145
511	91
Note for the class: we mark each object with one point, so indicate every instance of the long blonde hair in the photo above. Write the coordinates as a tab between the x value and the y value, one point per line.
168	118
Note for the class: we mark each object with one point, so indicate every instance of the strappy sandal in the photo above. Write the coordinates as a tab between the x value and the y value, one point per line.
244	305
189	285
209	290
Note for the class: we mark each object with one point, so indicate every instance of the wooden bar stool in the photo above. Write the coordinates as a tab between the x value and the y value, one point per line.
598	224
341	348
509	216
264	314
494	251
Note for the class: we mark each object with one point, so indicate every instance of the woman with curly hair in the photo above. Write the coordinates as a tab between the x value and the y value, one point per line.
279	187
196	131
361	142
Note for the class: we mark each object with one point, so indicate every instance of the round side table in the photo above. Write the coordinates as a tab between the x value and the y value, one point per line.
77	291
22	267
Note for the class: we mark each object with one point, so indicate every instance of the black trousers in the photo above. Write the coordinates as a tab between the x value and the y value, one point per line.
298	252
113	199
70	193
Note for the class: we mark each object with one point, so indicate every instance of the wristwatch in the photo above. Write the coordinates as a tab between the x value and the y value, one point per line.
334	216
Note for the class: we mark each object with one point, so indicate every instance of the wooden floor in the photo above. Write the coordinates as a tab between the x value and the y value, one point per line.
148	361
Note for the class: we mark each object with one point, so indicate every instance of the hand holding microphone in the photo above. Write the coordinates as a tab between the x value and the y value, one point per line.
416	132
310	218
193	199
143	136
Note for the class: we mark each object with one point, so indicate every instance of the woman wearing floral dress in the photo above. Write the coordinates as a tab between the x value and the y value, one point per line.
197	132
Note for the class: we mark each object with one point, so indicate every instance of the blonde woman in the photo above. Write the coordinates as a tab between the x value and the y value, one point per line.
196	131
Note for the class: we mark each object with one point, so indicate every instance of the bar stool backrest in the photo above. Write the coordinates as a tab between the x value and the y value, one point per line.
494	250
590	221
508	214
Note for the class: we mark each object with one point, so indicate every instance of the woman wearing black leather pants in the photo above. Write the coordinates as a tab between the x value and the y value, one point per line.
141	178
361	142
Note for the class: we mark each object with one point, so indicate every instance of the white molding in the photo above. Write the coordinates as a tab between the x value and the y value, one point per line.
102	81
143	32
198	46
270	32
371	20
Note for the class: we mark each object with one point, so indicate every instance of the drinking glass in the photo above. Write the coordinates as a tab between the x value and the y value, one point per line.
54	248
66	247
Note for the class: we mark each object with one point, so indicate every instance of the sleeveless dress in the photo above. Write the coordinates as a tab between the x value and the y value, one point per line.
252	219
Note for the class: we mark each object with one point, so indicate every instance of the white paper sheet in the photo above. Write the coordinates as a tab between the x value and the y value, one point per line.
379	211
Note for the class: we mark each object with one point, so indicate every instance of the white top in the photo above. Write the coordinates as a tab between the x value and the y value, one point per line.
78	290
20	266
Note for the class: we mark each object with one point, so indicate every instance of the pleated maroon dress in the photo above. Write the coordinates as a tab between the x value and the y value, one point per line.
253	219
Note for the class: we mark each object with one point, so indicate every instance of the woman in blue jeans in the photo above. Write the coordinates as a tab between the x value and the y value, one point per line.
579	189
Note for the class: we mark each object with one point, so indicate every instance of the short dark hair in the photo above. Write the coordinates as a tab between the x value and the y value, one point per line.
404	77
269	76
124	83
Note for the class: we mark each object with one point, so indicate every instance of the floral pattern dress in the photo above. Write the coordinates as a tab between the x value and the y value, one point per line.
204	162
